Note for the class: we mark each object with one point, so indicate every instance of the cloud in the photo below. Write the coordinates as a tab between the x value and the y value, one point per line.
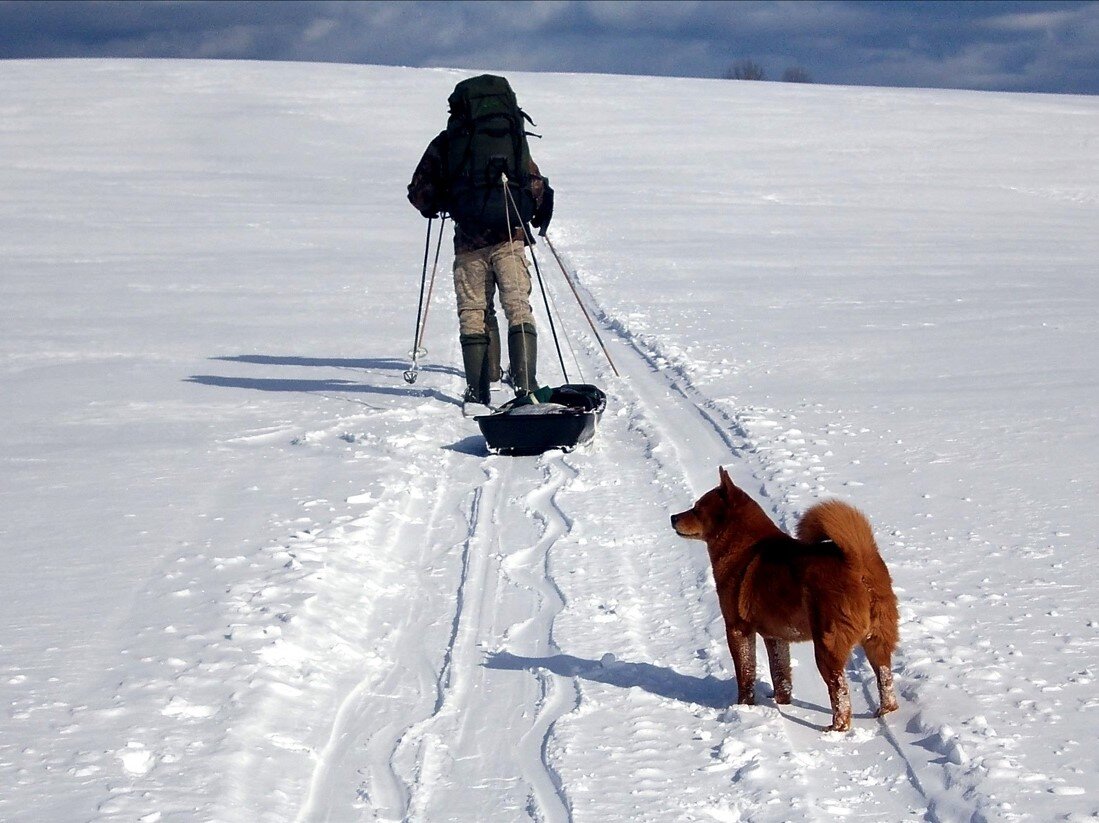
1039	46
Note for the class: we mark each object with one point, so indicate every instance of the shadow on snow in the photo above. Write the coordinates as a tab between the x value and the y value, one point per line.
363	363
330	385
663	682
706	691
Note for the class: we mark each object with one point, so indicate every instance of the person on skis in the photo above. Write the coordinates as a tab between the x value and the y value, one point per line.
480	172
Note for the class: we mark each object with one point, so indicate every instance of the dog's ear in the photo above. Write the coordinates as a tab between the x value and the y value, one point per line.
728	488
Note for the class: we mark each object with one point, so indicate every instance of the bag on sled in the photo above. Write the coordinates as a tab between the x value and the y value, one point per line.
548	418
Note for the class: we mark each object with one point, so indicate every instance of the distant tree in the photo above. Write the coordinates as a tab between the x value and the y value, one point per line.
796	74
744	70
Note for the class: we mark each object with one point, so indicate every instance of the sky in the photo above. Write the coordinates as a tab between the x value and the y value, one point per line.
1050	47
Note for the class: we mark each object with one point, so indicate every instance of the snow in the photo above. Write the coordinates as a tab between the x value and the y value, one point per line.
250	574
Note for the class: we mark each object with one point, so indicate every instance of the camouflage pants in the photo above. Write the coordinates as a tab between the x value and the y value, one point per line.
477	275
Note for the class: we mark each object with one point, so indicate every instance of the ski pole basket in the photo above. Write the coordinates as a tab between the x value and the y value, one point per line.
548	418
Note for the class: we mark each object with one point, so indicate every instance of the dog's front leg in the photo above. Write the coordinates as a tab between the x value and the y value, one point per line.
778	657
743	648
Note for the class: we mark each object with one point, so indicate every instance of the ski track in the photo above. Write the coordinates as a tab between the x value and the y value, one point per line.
386	791
564	632
502	591
556	695
491	583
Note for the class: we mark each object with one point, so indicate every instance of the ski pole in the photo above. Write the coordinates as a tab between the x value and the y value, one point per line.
430	288
576	294
411	374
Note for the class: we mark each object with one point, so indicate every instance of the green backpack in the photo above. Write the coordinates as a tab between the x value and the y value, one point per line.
486	138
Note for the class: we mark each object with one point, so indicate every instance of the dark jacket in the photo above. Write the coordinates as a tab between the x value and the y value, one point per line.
427	193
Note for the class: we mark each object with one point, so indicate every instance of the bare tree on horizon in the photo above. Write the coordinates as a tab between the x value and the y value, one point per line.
796	74
746	69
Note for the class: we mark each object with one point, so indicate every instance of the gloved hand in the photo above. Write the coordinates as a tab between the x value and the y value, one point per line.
544	214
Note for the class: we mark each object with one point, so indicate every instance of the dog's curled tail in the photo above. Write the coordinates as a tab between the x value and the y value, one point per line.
841	523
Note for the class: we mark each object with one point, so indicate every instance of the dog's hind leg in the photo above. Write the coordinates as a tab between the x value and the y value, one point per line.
879	654
830	666
743	648
778	657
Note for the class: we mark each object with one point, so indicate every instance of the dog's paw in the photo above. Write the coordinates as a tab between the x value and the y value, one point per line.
886	709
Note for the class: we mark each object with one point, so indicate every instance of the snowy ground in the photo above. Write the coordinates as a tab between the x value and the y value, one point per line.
249	574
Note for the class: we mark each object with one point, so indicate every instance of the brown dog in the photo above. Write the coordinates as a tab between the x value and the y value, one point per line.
829	585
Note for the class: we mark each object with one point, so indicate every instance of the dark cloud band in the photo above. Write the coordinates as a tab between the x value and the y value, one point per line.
1013	46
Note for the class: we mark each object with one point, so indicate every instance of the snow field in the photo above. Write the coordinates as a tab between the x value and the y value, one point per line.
252	575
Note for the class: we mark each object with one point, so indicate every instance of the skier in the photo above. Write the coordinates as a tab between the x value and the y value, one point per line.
479	171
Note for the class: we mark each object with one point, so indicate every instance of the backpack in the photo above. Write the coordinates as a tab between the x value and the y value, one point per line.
486	137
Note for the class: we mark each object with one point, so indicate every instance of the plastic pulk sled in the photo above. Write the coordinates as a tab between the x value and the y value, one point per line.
548	418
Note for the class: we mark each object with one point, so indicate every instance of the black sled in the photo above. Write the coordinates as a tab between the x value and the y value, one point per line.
549	418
